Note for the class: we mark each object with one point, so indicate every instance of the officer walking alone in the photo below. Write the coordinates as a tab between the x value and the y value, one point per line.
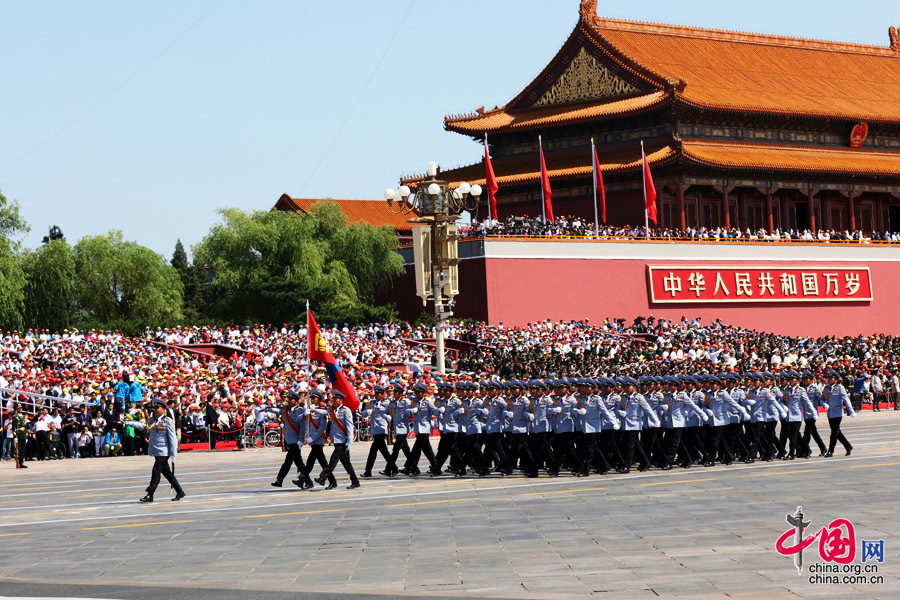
162	444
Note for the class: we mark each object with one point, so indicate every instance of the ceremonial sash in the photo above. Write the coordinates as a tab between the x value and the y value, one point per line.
338	422
289	421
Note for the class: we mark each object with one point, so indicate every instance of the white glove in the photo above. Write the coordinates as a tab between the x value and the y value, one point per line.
746	416
460	411
705	418
557	410
616	426
508	414
530	416
441	410
853	415
484	411
582	411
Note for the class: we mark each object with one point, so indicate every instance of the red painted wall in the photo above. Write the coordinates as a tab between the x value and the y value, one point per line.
527	290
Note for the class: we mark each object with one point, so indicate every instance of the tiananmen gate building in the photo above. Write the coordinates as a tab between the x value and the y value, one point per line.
741	130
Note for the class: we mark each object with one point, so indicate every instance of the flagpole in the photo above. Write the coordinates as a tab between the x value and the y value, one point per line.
594	162
543	201
487	184
644	180
308	373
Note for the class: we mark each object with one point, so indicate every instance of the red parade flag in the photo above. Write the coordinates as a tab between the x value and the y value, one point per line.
598	183
318	350
649	190
491	181
545	186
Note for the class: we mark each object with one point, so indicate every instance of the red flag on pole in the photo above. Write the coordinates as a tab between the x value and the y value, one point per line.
649	190
318	350
490	180
545	186
598	183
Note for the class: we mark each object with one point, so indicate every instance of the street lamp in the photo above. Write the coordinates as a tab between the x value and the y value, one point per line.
435	207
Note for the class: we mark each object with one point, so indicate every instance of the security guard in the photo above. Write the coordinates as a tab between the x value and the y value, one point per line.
20	427
162	444
797	401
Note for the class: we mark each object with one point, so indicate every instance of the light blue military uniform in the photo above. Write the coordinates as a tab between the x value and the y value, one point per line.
676	415
163	442
399	412
632	409
717	404
836	398
521	419
422	410
379	417
563	414
541	409
797	402
342	426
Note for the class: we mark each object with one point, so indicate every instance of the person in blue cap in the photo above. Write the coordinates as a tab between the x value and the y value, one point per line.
342	437
798	403
399	410
318	423
539	435
776	412
717	403
379	415
422	410
810	432
494	453
837	399
632	409
678	402
162	445
563	422
294	426
521	423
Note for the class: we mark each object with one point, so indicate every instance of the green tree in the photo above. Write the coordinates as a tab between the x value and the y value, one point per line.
192	279
266	264
50	275
12	277
118	280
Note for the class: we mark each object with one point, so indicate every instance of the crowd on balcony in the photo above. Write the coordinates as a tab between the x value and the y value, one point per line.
572	226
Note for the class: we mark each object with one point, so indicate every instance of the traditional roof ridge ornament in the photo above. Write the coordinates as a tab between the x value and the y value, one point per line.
588	9
894	34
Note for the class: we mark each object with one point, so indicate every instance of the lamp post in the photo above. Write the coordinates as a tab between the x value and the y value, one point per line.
435	207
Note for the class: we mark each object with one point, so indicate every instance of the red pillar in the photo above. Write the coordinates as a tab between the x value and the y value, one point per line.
852	208
812	211
726	217
771	219
679	192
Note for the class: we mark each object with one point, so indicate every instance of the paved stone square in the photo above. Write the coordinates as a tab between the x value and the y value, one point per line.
75	528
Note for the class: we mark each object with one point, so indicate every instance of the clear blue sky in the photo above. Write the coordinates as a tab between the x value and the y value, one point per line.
147	116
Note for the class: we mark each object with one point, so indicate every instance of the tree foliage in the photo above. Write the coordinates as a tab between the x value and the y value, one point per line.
50	276
266	264
120	280
12	277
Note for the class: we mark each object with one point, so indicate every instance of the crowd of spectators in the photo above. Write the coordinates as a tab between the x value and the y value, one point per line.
95	386
570	226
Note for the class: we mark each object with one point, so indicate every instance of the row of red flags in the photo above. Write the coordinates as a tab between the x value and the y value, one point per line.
547	192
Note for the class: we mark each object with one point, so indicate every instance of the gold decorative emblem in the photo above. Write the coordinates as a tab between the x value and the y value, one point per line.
320	344
585	79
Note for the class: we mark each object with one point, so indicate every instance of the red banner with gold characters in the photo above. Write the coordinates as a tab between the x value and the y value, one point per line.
707	284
